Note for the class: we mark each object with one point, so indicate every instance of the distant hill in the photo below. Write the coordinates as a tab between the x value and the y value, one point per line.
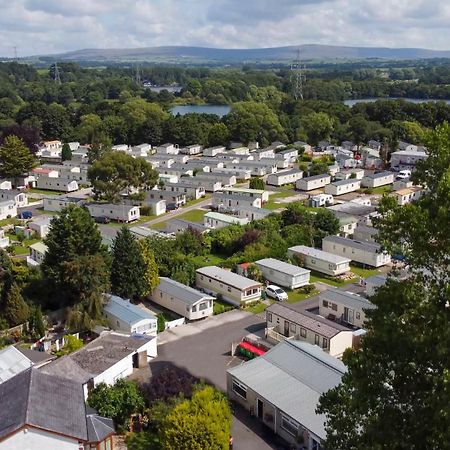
203	54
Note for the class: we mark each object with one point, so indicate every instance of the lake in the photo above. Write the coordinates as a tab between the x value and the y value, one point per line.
352	102
218	110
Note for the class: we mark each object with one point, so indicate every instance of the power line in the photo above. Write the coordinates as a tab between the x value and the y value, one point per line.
15	53
298	77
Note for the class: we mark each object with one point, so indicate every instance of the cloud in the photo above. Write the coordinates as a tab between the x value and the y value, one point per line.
49	26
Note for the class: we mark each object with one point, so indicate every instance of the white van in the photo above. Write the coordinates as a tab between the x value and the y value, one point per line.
403	174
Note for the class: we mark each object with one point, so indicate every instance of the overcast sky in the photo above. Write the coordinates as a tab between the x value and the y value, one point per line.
51	26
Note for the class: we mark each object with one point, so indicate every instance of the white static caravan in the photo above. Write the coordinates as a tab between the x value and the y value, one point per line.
407	159
253	213
167	149
233	288
8	209
239	174
213	151
56	203
283	274
321	261
157	206
361	252
365	233
18	197
232	203
343	187
182	299
314	182
218	220
5	185
378	179
208	185
408	195
319	200
348	174
194	149
252	193
119	213
283	178
57	184
224	178
128	318
193	192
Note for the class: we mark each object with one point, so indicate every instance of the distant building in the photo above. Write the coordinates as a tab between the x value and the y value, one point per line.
313	182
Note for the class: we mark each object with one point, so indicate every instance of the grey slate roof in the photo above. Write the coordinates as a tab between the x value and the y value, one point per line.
307	320
287	172
35	356
379	175
345	182
292	376
96	357
346	298
43	401
282	266
228	277
98	427
316	177
188	295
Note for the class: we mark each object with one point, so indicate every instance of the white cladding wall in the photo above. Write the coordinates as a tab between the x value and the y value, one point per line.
323	266
284	279
177	305
355	317
229	293
359	255
339	189
308	185
34	439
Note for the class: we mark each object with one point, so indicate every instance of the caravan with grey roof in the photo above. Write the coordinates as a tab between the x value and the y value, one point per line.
320	261
283	274
313	182
344	307
182	299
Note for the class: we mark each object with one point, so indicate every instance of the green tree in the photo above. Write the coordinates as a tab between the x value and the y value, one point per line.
296	212
151	276
202	422
66	153
117	172
16	310
71	345
73	234
15	158
257	183
325	223
218	135
317	126
36	324
118	402
128	270
391	393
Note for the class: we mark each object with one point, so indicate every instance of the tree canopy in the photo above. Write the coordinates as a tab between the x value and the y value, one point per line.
395	393
15	158
117	172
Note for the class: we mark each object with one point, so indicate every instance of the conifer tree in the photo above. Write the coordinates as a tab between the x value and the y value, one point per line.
151	277
128	267
16	309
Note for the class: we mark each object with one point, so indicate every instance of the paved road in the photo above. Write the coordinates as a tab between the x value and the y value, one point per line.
203	349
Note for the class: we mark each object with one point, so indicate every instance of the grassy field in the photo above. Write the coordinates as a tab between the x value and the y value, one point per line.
208	260
43	191
364	273
273	204
298	296
258	308
358	271
220	307
195	215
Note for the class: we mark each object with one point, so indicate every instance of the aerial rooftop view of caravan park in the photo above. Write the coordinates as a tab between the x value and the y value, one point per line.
224	225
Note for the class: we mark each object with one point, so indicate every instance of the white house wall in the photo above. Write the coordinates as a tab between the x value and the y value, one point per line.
35	439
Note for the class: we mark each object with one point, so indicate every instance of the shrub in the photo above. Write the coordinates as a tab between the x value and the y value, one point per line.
161	322
146	210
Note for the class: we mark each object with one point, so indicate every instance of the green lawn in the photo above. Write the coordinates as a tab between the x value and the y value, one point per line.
43	191
11	221
208	260
364	273
220	307
298	295
317	277
258	308
194	202
195	215
273	204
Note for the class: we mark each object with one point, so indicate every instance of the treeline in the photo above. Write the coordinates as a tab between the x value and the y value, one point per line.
93	105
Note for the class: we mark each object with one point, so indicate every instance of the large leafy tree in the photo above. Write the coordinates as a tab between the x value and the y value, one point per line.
396	392
202	422
15	158
66	152
151	276
16	310
74	240
317	126
118	402
128	269
117	172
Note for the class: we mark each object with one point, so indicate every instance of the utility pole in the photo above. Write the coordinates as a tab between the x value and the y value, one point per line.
56	75
15	54
137	76
298	77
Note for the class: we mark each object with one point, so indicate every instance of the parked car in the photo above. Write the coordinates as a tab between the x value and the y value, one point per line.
172	207
101	219
25	215
276	292
403	174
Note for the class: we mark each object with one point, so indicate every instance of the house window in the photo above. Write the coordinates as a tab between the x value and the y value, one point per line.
229	289
325	304
202	306
269	317
315	445
358	315
316	339
289	425
194	308
239	389
292	327
334	306
303	332
324	343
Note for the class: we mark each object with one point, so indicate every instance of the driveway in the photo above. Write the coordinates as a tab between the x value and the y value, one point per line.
203	349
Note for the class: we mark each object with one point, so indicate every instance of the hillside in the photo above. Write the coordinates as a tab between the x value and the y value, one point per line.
203	54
